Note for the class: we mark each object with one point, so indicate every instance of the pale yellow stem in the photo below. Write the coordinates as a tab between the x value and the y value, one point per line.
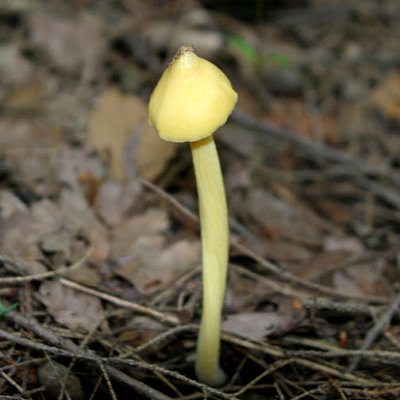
215	242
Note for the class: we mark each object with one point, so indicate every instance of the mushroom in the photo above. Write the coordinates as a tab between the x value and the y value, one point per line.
190	102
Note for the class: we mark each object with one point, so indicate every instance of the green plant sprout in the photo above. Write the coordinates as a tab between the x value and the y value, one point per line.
4	310
253	55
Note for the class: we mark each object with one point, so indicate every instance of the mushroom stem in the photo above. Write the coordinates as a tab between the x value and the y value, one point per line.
215	243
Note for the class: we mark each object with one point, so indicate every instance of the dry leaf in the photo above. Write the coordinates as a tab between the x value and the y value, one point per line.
71	307
150	267
317	264
257	325
58	241
140	330
14	68
280	218
242	293
278	249
139	248
369	277
152	222
22	231
10	204
121	120
79	218
114	200
52	375
345	284
348	244
71	43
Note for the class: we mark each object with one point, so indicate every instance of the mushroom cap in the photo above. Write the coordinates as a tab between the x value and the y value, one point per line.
192	99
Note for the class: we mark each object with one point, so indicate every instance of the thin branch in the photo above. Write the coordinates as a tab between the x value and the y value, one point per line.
376	330
269	266
44	275
162	317
314	148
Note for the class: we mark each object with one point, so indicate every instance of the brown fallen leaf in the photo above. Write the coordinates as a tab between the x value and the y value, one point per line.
257	325
114	200
281	219
119	124
242	293
350	245
79	38
345	284
80	219
22	231
144	257
71	307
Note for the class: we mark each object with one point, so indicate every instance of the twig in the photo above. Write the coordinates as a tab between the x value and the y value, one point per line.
82	346
306	300
276	352
355	166
173	286
235	225
272	368
69	349
108	381
315	148
160	338
11	382
44	275
308	393
269	266
162	317
387	356
88	356
60	379
376	330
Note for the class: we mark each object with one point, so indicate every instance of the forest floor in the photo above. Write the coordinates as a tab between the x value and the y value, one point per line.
100	264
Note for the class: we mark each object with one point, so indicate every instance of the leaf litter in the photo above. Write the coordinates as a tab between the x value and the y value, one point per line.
75	149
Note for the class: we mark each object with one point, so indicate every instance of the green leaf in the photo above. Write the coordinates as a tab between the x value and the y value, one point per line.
246	48
4	310
278	59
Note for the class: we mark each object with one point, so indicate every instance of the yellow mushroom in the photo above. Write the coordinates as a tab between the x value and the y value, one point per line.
190	102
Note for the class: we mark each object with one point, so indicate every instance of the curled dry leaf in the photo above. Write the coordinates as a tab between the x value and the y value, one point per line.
22	231
113	122
151	267
80	219
71	307
140	249
52	227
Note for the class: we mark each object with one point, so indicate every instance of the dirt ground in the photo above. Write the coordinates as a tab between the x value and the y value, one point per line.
100	263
